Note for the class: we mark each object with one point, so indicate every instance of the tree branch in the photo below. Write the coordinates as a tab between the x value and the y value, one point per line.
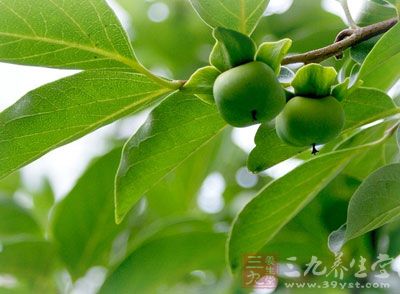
347	38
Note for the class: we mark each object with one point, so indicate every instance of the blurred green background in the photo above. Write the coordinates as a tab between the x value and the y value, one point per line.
173	241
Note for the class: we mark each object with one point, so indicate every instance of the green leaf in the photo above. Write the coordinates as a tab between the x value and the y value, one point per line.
381	67
183	184
232	49
314	80
239	15
83	226
359	52
368	161
10	184
63	34
362	106
31	261
375	203
354	74
340	91
65	110
201	83
397	100
166	226
345	70
176	129
373	11
365	105
269	149
336	196
272	53
343	90
15	222
43	201
280	201
164	261
304	236
391	152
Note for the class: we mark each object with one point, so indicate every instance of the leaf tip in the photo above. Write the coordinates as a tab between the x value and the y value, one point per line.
119	214
337	239
119	217
254	165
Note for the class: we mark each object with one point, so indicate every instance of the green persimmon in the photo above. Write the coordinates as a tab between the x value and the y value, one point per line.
310	121
248	94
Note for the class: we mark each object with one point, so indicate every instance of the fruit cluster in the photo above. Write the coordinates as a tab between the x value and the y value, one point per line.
247	92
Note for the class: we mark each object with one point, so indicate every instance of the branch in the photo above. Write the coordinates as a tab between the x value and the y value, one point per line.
347	38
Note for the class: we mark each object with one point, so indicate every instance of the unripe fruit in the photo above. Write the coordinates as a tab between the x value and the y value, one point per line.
248	94
309	121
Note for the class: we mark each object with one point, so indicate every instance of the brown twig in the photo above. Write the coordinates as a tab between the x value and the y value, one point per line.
340	37
347	38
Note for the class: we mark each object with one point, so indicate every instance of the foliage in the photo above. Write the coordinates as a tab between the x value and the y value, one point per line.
175	207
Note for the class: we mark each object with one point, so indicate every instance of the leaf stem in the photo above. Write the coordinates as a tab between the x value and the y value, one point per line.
351	38
170	84
347	13
140	68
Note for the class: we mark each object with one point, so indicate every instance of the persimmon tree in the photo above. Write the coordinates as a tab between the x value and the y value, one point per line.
331	107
